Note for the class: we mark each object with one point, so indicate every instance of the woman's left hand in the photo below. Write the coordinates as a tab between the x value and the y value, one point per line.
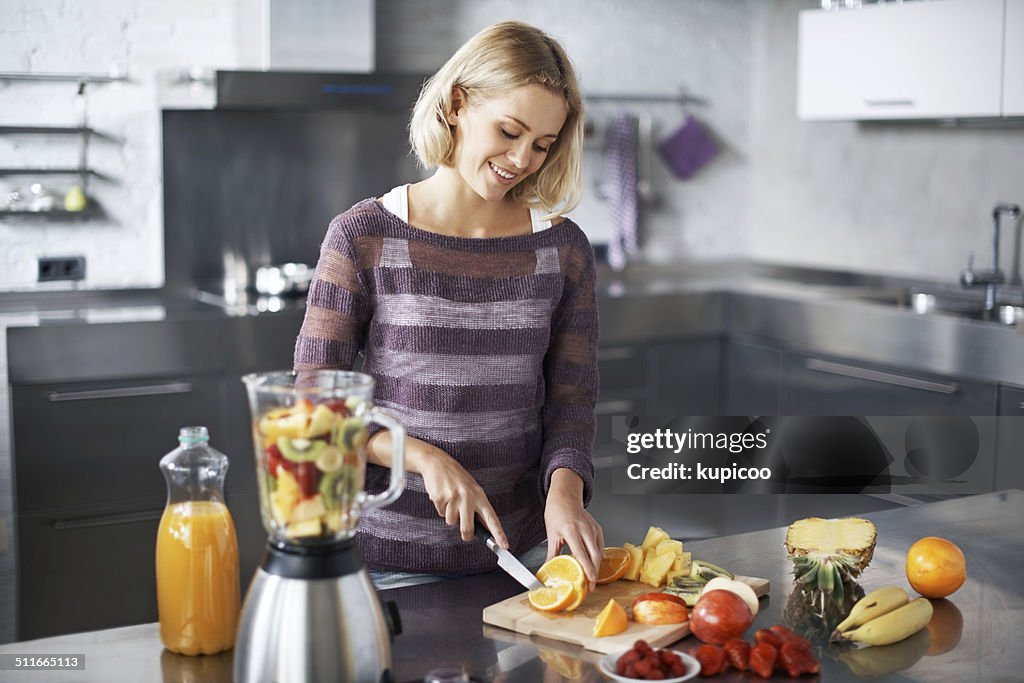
568	522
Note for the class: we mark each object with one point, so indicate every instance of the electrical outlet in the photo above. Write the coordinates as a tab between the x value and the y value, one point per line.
52	269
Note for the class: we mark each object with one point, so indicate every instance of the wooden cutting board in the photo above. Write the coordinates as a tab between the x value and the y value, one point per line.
577	627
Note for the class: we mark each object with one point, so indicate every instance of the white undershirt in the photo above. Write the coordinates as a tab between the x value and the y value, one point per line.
397	202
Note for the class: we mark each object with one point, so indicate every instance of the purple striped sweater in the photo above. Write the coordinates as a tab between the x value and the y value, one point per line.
485	348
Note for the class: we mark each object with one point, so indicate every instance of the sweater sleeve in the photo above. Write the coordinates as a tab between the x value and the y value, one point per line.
570	372
337	306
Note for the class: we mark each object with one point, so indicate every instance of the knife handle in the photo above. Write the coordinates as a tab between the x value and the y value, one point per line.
480	531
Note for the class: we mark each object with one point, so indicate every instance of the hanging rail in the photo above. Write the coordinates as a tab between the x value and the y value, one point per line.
681	98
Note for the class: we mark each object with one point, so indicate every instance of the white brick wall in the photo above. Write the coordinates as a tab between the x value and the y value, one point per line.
140	39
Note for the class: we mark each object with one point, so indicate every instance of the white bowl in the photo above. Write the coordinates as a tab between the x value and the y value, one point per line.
607	666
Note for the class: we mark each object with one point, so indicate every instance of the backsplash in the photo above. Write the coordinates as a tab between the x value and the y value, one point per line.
909	200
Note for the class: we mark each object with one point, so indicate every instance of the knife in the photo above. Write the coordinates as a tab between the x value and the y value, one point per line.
507	560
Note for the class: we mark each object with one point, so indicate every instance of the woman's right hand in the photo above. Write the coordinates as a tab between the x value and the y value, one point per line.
456	495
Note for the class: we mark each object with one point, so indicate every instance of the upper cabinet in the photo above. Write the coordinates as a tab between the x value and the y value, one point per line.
1013	60
913	60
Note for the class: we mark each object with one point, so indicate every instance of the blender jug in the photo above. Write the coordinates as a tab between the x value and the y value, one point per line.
311	613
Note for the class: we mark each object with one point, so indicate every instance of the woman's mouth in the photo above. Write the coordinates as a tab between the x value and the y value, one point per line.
504	177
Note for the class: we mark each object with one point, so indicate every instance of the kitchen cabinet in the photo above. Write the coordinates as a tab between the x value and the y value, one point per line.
902	61
1010	439
752	378
86	572
1013	59
77	444
684	377
821	385
624	388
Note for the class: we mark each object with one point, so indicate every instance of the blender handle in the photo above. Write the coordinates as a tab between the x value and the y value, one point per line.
397	483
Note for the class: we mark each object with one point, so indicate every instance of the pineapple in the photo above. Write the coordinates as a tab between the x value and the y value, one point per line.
829	554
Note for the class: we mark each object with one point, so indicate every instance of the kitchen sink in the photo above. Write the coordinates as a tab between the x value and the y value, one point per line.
960	303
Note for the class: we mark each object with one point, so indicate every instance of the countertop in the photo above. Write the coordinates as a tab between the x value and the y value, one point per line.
980	629
803	309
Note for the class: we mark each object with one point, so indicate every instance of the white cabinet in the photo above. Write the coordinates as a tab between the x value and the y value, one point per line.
902	61
1013	60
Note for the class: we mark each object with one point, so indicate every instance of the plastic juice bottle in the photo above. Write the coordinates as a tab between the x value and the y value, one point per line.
196	551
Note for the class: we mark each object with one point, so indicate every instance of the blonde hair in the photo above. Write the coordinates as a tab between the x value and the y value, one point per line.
502	57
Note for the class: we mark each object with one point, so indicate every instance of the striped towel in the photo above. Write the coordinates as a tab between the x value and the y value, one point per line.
619	186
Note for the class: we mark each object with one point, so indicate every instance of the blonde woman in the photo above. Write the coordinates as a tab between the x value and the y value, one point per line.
472	301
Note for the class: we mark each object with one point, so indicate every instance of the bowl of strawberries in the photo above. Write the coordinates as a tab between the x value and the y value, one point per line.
644	663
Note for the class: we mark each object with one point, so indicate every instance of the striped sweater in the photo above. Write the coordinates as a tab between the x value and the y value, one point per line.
485	348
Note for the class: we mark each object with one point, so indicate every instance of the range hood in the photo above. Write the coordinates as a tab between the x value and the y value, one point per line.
284	90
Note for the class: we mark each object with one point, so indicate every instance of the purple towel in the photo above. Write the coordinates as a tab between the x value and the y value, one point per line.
688	149
619	187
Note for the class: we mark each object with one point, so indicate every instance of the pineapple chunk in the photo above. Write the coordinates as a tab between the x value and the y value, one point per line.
308	527
636	560
669	546
682	563
655	535
321	422
656	568
311	508
280	511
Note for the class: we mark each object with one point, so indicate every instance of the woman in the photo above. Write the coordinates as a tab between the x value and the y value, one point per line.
473	303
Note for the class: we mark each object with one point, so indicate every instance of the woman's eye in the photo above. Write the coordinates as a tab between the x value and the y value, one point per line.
542	150
508	135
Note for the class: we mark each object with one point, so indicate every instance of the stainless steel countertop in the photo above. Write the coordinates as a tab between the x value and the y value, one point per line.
443	627
802	309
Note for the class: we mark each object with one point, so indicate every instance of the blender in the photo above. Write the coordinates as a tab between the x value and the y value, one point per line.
311	613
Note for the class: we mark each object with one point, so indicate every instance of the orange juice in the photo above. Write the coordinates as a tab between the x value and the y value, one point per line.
197	578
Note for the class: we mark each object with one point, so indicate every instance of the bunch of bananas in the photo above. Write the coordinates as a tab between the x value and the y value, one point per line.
883	617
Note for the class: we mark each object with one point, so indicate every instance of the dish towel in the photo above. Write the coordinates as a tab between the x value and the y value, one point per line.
619	188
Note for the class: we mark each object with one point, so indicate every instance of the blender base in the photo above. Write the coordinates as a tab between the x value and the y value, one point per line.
312	615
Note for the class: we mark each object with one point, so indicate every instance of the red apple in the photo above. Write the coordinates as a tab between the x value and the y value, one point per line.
720	615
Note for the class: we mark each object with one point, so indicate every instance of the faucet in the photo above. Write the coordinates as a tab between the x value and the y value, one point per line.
993	277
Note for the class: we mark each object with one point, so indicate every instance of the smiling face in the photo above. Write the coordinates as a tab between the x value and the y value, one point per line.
500	141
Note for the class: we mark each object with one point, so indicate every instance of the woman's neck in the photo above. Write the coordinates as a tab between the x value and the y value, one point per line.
445	204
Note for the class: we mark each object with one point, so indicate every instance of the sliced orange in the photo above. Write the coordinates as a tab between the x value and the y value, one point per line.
614	564
552	598
563	569
578	596
611	621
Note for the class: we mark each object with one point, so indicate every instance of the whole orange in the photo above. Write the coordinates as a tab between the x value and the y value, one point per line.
936	567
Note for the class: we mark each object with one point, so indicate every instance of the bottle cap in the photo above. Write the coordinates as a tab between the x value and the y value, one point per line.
193	435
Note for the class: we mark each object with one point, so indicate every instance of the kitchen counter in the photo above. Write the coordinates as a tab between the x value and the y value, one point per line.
443	627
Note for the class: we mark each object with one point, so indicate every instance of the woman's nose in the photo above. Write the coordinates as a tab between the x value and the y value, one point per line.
520	156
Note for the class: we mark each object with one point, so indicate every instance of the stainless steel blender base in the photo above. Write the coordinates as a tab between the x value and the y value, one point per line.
312	631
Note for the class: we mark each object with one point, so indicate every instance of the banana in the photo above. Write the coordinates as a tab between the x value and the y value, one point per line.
893	626
873	605
872	662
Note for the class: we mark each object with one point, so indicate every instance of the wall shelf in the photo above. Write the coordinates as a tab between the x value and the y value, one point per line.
64	78
91	210
56	171
55	130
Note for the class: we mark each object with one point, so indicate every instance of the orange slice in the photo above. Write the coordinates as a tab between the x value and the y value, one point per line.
563	569
613	565
611	621
552	598
578	596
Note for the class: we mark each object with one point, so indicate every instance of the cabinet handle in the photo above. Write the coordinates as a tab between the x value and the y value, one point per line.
831	368
895	102
617	353
1020	405
121	392
614	407
107	520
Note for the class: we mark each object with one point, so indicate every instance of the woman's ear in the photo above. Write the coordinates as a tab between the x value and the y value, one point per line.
458	102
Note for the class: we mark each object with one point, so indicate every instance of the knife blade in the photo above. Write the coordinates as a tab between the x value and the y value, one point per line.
506	560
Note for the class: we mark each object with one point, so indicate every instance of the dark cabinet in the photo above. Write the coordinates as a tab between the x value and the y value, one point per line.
820	385
88	571
752	379
684	377
82	444
623	387
1010	438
